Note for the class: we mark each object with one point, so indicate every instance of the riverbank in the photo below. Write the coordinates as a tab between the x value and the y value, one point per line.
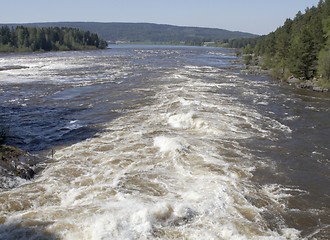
313	84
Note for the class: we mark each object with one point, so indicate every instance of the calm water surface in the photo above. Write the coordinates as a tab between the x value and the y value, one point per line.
162	143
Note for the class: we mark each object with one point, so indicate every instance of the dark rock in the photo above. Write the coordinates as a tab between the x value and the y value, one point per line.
312	85
16	162
306	85
25	171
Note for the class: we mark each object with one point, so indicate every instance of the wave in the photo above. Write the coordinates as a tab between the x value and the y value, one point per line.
176	168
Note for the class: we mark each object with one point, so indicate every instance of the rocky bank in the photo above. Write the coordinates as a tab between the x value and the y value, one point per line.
16	162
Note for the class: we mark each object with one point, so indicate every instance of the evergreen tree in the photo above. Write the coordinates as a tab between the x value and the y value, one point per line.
324	65
303	55
301	46
282	42
47	39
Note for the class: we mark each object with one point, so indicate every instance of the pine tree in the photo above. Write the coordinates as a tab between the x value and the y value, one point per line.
303	56
47	39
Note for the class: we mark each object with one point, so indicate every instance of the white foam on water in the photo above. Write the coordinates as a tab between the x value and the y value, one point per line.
186	121
169	144
175	169
279	194
8	182
61	68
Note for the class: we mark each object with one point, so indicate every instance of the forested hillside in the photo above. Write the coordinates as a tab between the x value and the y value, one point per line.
149	32
301	47
47	39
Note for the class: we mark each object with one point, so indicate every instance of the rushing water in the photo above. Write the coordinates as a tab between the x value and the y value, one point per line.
162	143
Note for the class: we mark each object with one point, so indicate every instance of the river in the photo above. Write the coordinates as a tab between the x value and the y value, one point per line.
162	142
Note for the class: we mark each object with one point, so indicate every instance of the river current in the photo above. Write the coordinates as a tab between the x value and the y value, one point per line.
162	142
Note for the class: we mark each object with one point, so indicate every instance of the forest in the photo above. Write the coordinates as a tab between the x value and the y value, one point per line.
149	32
299	48
27	39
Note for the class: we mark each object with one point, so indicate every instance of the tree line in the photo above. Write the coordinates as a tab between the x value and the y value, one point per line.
301	47
24	39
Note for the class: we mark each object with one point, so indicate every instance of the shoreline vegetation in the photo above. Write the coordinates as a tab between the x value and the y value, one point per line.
33	39
297	52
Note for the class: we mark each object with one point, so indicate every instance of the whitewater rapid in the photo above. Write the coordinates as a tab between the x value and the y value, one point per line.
175	167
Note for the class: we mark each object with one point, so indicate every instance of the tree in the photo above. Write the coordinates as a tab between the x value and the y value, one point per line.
324	65
303	55
47	39
282	43
22	34
301	46
5	35
248	54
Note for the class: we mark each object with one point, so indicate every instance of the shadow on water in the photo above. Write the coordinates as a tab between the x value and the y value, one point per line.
40	117
37	129
17	232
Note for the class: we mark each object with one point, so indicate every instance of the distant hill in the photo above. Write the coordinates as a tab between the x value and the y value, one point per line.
148	32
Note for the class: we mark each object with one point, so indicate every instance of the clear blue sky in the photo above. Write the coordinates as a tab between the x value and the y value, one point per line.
255	16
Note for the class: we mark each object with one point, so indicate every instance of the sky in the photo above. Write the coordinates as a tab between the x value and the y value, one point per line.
253	16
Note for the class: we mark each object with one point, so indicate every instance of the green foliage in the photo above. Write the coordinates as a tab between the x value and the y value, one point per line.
240	42
248	54
303	55
324	55
24	39
300	47
248	49
324	65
